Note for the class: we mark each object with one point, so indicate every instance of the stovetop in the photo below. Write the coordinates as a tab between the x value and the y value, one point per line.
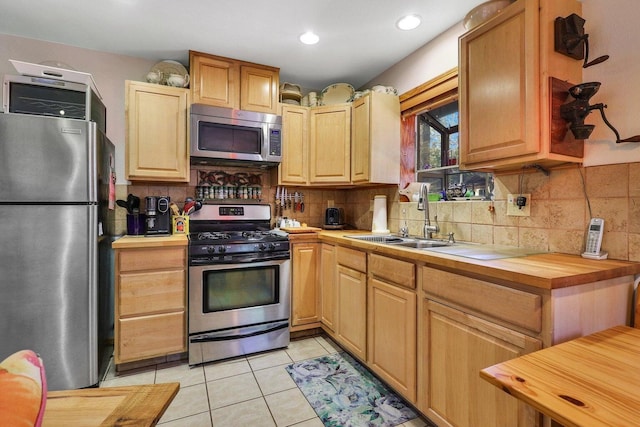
228	237
234	233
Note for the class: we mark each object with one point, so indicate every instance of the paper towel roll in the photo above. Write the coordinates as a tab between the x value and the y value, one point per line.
379	215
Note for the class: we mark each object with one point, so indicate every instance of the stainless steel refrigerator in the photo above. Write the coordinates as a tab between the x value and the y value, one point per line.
54	215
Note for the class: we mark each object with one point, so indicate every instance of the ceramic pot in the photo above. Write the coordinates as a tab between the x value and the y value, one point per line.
177	80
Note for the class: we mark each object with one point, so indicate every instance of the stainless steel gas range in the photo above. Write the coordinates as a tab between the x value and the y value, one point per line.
239	283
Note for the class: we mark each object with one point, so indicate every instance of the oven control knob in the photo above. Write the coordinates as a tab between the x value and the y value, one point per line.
262	247
222	249
272	246
211	249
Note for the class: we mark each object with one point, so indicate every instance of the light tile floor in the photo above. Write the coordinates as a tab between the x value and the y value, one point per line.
253	391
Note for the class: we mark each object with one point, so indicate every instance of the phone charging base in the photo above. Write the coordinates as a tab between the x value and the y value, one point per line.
600	255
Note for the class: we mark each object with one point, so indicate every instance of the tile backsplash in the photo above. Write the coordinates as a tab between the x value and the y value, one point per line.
559	208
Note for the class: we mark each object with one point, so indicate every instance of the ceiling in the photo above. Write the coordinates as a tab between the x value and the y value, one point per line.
358	38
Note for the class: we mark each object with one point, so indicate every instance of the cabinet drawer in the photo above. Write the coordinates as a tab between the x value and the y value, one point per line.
511	305
352	258
152	259
151	292
399	272
149	336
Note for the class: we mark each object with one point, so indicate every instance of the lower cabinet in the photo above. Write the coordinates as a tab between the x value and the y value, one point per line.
351	287
392	319
150	302
327	281
456	347
305	289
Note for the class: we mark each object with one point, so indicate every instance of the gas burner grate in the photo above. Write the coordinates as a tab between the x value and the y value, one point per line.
207	235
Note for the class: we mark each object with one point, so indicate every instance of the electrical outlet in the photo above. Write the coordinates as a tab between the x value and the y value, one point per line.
519	205
330	203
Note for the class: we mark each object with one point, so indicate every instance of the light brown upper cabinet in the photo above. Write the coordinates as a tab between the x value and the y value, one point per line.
330	144
157	122
375	140
505	91
294	169
225	82
343	144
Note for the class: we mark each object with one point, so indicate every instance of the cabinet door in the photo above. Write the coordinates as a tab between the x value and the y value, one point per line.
305	290
214	81
500	86
458	346
392	318
157	120
360	139
259	89
330	143
375	139
294	168
352	310
328	286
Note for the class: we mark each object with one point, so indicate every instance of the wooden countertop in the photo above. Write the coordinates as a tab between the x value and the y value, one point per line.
545	271
150	242
586	382
138	406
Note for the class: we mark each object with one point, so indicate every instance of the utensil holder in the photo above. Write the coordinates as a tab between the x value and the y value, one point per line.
180	224
136	224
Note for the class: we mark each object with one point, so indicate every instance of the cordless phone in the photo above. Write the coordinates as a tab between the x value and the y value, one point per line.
594	240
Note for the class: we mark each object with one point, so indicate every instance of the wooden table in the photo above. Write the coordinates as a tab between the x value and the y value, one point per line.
138	406
587	382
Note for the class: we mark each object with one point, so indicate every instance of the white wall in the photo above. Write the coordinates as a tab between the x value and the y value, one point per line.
613	30
429	61
109	71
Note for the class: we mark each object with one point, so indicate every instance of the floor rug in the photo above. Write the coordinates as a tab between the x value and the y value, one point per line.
344	394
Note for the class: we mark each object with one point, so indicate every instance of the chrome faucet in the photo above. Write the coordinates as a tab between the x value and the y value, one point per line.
423	205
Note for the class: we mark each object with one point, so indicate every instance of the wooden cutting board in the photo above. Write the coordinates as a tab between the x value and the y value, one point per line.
296	230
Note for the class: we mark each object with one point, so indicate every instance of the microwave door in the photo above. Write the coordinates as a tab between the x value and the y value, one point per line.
229	141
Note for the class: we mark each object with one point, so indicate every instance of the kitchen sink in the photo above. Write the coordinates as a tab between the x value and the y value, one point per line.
462	249
376	238
420	244
408	242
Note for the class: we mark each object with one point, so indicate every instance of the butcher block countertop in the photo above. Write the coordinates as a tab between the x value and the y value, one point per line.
542	270
150	242
139	406
585	382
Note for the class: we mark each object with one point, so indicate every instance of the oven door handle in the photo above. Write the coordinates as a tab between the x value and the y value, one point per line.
230	335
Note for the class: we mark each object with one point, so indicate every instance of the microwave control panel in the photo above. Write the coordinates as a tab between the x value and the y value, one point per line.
275	142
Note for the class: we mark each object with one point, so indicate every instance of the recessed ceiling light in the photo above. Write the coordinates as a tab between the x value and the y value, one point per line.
309	38
408	22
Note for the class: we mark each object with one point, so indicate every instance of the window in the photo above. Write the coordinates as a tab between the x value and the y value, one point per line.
434	105
437	156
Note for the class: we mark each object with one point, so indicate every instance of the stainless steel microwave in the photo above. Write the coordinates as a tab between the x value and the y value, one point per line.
52	97
222	136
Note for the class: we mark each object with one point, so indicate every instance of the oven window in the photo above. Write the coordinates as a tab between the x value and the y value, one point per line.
230	138
240	288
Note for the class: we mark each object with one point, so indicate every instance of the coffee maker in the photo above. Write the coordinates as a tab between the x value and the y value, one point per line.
158	215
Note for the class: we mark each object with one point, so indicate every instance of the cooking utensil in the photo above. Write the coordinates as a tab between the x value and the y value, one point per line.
283	195
174	209
123	204
301	202
277	203
135	203
295	202
187	206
